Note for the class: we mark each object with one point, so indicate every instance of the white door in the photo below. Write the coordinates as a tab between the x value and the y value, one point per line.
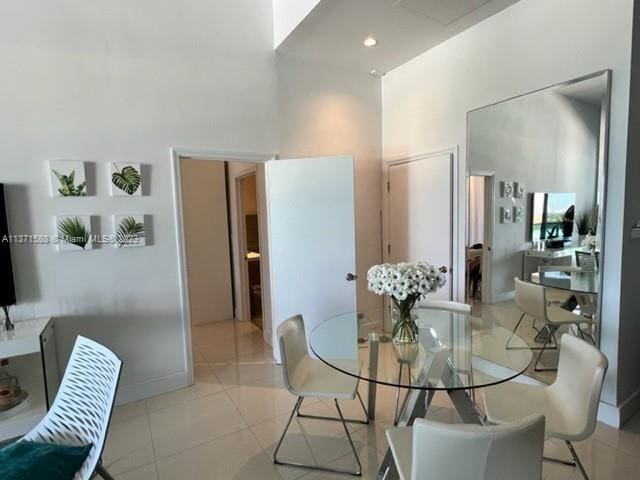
420	214
311	231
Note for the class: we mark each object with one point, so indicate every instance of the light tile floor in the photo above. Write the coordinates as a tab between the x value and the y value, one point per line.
227	424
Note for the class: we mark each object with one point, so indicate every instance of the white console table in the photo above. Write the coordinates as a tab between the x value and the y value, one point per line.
31	350
534	257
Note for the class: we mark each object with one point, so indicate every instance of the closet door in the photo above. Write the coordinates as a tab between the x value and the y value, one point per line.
421	214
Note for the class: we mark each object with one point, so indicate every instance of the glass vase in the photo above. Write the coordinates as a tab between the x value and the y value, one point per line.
403	320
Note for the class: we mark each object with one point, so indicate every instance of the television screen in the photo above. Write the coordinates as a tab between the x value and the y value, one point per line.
553	216
7	288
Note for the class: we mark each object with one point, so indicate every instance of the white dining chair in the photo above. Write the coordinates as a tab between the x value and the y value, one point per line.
82	409
531	299
587	261
470	452
569	404
307	377
445	305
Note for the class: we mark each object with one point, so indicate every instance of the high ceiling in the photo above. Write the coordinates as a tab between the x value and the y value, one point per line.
334	31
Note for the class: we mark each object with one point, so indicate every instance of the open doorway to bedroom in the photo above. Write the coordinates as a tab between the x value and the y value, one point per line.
222	218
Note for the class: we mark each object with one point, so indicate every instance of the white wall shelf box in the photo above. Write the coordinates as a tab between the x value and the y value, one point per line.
31	350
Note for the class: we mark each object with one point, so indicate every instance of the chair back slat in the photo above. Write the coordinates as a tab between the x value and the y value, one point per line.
82	409
586	261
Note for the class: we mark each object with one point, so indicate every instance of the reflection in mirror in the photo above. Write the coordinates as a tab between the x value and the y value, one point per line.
536	176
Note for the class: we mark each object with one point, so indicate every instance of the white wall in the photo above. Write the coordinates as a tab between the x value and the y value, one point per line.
287	14
549	142
126	81
530	45
206	234
123	81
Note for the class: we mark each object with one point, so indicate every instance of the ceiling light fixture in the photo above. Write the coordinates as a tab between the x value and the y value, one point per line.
376	73
370	42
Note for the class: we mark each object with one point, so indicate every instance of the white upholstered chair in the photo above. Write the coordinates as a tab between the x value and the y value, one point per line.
531	299
82	409
470	452
445	305
570	404
307	377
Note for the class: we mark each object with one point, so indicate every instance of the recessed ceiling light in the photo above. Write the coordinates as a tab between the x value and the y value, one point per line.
376	73
370	42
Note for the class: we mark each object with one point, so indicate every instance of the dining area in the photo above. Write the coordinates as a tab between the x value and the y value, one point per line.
478	363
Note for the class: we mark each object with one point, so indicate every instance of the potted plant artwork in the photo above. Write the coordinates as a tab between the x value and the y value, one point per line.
406	284
68	178
126	179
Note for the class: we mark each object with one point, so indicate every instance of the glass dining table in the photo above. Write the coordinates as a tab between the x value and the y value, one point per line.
577	282
456	353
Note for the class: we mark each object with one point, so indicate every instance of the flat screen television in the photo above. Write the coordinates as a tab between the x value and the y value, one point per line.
7	287
553	216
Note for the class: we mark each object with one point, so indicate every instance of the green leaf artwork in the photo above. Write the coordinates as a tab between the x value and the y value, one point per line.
67	187
130	231
74	231
126	179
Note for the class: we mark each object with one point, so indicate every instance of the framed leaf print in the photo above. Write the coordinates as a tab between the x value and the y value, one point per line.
68	178
126	179
73	232
129	230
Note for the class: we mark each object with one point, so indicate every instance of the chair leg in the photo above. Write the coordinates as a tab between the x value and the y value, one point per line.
577	461
395	415
353	447
334	419
513	332
100	470
295	410
550	335
284	433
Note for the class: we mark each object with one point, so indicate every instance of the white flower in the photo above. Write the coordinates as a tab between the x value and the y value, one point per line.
404	280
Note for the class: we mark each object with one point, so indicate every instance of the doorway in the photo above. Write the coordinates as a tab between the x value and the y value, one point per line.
247	248
222	212
479	242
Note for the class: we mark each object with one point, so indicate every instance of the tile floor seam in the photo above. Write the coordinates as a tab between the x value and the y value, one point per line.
198	445
129	470
153	447
152	412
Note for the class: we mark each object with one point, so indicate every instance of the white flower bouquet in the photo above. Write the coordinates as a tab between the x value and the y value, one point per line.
405	283
590	242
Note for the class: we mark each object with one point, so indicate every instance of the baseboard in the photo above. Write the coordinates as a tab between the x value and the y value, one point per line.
151	388
609	414
616	416
503	297
630	407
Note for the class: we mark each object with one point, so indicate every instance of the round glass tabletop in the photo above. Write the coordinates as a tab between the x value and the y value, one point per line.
578	282
454	350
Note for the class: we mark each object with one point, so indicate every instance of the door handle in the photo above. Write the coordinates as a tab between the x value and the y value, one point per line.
350	277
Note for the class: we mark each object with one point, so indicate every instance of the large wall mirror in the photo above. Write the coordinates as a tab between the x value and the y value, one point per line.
536	191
